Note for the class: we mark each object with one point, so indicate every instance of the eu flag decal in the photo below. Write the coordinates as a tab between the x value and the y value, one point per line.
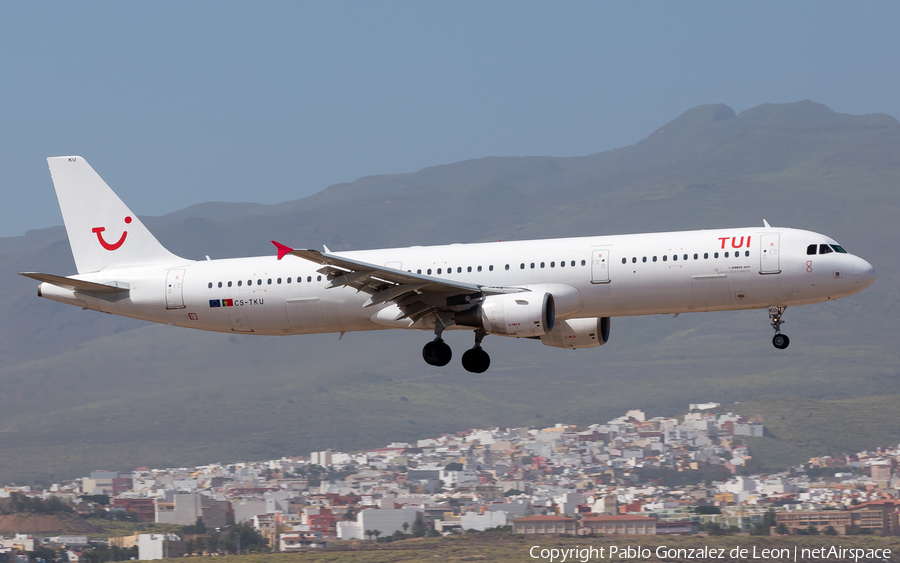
215	303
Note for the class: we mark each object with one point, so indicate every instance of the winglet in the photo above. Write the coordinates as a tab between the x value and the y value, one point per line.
282	249
767	225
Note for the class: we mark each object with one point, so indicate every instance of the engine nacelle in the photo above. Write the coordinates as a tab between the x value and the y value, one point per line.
578	333
526	314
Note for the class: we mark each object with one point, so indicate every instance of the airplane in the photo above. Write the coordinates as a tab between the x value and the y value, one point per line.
562	292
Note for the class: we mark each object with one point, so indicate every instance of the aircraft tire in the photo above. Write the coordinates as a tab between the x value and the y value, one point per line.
476	360
781	341
437	353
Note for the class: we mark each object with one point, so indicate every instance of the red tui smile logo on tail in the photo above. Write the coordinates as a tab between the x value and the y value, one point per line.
115	245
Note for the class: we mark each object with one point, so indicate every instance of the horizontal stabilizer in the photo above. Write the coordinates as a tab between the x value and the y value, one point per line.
78	285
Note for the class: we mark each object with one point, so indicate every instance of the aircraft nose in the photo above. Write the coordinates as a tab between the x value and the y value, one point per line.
863	273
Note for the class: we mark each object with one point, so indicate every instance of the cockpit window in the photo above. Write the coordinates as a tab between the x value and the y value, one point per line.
838	248
824	249
811	249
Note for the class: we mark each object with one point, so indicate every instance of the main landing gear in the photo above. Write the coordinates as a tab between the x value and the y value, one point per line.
476	360
438	353
780	341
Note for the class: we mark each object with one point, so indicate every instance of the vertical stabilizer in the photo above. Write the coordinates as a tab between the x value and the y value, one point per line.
103	232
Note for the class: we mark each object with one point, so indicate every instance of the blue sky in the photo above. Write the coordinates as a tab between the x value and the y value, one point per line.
176	103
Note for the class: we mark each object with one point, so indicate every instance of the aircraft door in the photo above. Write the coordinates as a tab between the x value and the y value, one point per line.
175	289
600	265
769	262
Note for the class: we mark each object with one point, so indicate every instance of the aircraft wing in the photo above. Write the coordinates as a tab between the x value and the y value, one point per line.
417	295
73	284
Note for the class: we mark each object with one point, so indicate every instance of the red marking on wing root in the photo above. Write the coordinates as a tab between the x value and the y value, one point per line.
282	249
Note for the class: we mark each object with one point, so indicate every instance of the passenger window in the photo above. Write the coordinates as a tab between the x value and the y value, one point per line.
644	259
695	256
210	285
811	250
240	282
665	257
624	260
479	268
276	281
439	271
542	264
309	278
838	248
288	280
654	258
318	278
532	265
746	253
229	284
249	282
220	284
583	263
469	269
685	256
726	255
706	255
674	258
429	271
419	271
459	269
259	282
634	259
522	266
562	264
716	255
269	282
573	263
552	264
824	249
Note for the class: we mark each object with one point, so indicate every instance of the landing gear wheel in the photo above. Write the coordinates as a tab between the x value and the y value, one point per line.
437	353
476	360
781	341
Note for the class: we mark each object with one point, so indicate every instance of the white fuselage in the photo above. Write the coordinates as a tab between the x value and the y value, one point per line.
603	276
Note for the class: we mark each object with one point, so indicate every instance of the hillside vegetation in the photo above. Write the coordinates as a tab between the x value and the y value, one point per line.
799	428
85	391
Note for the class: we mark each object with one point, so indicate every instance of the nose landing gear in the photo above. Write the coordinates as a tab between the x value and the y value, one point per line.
780	341
476	360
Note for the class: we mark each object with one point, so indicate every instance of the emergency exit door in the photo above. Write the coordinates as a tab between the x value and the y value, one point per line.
600	265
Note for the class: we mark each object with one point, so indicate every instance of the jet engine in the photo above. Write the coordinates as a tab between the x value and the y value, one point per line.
578	333
526	314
